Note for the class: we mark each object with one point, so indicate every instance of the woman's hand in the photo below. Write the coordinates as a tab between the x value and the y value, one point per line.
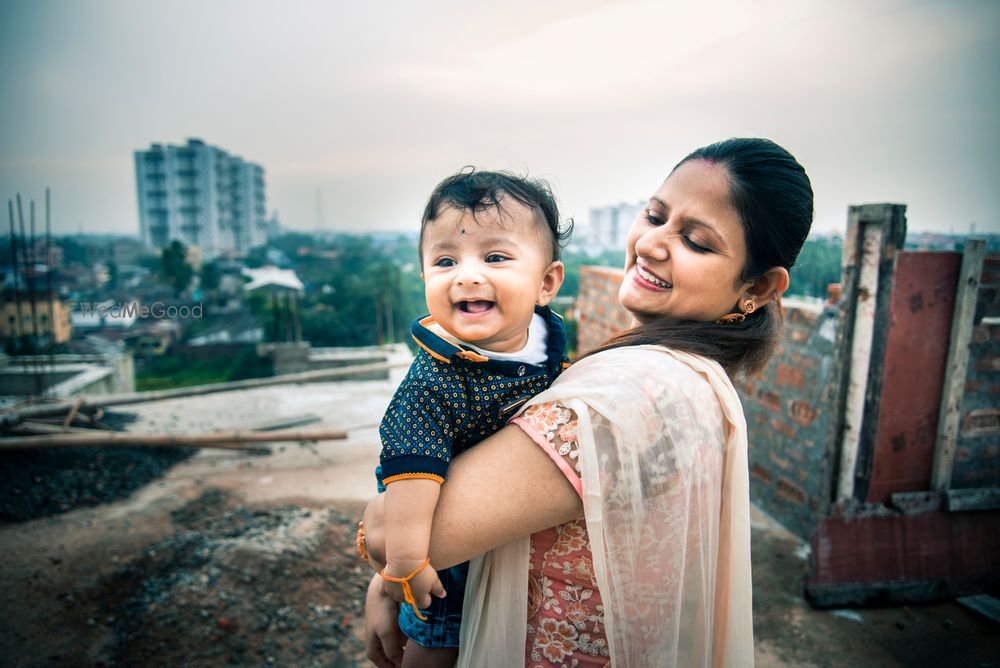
383	639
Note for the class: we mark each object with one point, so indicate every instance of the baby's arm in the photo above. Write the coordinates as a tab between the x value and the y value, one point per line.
508	474
409	510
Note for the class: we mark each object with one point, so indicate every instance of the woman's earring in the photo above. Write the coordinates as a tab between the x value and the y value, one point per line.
749	306
731	319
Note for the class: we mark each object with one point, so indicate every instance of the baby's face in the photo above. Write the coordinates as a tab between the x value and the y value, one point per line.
484	273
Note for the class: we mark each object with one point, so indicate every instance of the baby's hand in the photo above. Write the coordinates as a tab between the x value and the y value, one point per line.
423	584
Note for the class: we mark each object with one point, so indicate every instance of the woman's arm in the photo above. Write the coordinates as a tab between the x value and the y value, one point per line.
504	488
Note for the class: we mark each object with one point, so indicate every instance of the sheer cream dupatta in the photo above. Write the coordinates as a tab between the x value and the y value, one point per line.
663	460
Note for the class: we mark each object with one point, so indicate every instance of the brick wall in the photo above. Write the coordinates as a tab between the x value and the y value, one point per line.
788	424
788	405
599	315
784	405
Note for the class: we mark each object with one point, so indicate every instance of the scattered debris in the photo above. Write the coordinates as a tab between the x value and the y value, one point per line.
231	585
848	614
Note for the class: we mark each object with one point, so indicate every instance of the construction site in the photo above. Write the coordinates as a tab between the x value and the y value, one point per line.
214	525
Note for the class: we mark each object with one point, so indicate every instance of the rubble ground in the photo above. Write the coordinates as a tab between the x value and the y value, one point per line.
235	559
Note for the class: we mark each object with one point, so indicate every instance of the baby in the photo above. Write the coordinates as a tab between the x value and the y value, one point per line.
489	252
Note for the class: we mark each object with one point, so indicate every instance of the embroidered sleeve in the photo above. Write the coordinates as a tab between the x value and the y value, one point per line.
554	428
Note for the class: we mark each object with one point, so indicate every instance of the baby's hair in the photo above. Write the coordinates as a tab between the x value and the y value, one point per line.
472	190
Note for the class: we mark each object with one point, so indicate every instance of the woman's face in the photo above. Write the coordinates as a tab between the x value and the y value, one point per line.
685	252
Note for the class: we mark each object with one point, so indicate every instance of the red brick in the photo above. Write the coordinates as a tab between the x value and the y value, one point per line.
762	474
791	492
988	363
797	335
789	376
802	412
781	462
769	400
783	428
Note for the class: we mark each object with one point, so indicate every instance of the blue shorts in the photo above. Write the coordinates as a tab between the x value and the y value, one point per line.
444	616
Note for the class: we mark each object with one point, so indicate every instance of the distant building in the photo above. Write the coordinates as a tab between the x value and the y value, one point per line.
202	196
607	227
119	252
50	319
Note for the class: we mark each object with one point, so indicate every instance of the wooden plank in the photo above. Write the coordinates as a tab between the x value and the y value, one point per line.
987	606
13	417
958	363
284	422
223	439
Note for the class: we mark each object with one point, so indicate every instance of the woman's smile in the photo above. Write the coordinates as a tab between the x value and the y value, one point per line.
649	280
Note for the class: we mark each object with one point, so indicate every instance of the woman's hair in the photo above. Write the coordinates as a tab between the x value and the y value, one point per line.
773	199
475	190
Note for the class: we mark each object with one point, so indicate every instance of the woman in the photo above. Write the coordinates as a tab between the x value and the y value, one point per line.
648	563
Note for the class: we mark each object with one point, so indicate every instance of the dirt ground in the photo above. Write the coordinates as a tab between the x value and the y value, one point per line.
237	559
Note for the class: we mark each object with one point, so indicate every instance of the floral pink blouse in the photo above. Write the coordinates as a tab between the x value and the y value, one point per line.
565	615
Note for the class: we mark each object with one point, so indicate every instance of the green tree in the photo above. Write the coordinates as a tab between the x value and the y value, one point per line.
210	276
817	266
112	276
174	267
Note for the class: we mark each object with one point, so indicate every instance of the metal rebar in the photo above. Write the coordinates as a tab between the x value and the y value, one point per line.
51	295
16	334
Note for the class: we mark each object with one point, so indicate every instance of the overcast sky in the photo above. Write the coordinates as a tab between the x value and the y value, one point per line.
367	105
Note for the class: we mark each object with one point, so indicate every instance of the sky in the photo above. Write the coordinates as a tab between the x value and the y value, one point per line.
356	110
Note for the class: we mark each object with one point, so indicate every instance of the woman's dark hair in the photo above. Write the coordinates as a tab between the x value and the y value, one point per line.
472	190
774	201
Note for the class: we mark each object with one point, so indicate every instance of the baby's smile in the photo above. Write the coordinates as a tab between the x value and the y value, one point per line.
475	307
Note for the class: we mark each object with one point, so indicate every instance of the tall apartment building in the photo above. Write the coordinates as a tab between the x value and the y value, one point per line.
608	226
202	196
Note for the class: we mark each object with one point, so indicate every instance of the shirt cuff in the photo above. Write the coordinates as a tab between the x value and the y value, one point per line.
409	467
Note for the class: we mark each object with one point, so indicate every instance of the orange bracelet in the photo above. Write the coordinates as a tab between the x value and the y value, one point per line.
359	542
407	592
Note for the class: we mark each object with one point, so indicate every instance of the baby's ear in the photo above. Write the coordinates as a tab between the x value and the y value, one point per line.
552	280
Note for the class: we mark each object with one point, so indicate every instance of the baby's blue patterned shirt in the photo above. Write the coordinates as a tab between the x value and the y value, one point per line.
453	397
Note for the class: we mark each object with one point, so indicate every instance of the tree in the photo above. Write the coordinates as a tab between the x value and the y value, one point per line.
174	267
210	276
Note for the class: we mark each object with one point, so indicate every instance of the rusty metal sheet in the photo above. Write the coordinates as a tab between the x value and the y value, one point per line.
923	300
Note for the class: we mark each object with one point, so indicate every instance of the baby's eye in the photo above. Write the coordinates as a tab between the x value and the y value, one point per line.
444	262
696	247
496	257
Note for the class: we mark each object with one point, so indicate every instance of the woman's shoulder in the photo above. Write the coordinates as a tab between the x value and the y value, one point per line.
646	360
616	375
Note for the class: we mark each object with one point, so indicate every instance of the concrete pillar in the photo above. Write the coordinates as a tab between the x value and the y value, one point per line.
874	233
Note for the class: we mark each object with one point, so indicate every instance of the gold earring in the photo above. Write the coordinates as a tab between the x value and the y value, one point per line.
749	306
731	319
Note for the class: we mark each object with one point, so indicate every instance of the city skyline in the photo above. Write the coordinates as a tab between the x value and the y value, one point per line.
355	113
